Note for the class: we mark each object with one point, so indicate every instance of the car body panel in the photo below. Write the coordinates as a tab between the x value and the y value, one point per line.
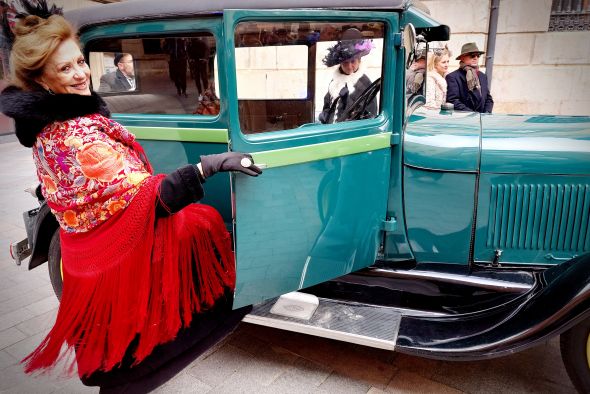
524	144
533	219
443	140
439	214
309	212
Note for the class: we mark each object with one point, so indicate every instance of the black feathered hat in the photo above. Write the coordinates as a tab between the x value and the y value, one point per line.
351	46
39	8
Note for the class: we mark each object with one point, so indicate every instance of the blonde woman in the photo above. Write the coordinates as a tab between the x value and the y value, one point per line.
436	85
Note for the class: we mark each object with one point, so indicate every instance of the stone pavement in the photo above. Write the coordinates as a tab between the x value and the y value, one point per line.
251	360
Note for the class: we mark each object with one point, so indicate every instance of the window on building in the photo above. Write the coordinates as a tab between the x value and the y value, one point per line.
282	81
156	75
570	15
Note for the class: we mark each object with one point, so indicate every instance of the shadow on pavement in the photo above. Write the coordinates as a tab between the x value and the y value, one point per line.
169	369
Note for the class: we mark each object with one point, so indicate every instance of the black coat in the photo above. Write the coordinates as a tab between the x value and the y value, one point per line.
114	82
335	108
459	95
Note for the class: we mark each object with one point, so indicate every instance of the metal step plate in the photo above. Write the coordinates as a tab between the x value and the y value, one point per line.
363	324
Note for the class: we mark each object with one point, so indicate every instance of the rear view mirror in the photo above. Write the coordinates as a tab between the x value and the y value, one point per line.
409	43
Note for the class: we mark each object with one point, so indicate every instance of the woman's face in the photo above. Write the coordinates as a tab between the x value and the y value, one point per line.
443	65
66	70
350	66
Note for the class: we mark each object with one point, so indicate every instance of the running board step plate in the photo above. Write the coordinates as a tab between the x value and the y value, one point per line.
363	324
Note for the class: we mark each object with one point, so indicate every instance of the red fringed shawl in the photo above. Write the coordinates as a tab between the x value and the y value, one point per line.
133	276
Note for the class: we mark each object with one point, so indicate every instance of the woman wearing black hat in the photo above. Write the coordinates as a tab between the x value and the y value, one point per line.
349	80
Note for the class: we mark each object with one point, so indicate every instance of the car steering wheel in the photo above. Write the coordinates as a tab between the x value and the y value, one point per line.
358	109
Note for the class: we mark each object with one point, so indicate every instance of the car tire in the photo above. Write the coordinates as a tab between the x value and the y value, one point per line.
54	264
575	353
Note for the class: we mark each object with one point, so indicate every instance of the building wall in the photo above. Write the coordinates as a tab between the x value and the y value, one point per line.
535	71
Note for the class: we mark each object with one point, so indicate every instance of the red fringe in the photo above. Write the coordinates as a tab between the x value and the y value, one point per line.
128	277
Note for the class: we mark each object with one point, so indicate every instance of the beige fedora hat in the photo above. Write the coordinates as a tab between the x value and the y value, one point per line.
470	47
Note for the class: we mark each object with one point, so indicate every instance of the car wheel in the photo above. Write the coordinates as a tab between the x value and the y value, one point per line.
54	264
575	352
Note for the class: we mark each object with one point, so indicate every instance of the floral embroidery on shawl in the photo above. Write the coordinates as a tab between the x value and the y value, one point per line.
88	170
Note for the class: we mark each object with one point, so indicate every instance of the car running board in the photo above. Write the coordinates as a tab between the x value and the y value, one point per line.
362	324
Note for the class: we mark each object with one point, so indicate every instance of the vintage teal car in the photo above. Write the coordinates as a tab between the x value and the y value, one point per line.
445	234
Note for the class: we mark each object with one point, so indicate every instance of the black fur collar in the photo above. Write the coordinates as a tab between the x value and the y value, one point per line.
32	111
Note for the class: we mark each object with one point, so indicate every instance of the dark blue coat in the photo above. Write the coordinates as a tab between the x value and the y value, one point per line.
462	98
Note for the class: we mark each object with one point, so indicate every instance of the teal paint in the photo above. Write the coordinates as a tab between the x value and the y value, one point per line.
299	225
439	214
530	216
167	156
443	140
535	144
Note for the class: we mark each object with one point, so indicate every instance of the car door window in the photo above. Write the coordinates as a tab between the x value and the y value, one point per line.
282	78
157	74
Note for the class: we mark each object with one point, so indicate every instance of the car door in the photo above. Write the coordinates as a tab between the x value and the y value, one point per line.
316	211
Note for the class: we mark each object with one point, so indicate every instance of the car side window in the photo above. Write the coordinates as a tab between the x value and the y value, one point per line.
291	73
157	75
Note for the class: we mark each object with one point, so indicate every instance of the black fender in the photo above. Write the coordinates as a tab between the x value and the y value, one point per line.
45	226
559	299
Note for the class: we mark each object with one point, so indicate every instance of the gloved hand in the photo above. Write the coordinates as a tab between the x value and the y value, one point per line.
229	161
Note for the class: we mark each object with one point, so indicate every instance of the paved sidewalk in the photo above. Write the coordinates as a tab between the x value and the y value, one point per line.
251	360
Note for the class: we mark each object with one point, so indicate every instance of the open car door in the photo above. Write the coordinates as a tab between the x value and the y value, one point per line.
317	210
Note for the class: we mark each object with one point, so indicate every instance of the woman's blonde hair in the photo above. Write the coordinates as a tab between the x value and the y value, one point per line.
36	39
436	55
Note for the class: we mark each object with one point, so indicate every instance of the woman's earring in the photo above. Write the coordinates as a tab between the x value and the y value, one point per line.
50	92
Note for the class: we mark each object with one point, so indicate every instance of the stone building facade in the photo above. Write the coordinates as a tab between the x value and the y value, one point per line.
536	71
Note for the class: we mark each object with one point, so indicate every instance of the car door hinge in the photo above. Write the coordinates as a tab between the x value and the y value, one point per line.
389	225
396	139
397	40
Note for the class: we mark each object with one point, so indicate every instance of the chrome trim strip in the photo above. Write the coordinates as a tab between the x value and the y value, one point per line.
320	332
486	283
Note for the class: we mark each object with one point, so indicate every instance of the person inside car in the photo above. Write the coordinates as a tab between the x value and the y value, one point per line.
349	80
122	79
141	263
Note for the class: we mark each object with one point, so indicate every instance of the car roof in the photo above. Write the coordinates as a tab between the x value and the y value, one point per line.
131	10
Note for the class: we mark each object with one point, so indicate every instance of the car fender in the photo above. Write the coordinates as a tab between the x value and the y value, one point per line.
559	299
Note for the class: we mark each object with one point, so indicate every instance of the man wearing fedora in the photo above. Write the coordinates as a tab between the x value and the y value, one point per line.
467	87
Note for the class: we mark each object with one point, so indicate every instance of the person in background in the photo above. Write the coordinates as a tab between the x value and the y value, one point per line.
198	58
436	85
122	79
349	80
415	74
467	87
177	63
142	265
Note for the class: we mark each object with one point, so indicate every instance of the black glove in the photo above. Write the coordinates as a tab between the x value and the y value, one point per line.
229	161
